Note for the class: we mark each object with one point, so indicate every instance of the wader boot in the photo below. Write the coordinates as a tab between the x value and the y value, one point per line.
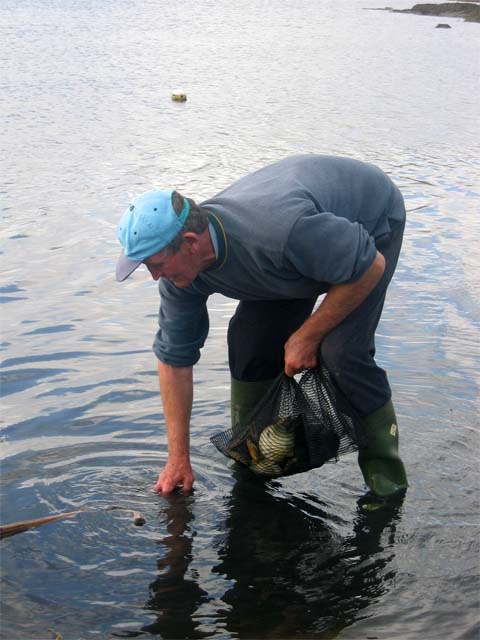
244	397
379	461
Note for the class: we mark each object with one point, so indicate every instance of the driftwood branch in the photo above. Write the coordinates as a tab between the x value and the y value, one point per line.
7	530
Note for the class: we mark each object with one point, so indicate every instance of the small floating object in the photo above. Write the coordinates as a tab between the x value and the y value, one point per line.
179	96
138	519
443	25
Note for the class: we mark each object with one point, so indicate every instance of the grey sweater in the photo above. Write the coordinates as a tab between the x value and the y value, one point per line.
287	231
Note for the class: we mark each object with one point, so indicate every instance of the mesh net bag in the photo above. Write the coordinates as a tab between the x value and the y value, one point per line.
296	426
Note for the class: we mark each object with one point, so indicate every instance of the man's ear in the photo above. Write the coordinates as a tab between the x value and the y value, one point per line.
191	240
178	202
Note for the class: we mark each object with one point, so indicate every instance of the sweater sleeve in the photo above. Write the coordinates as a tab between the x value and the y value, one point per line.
183	325
329	248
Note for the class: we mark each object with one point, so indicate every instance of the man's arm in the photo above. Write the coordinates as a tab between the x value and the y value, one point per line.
302	346
176	386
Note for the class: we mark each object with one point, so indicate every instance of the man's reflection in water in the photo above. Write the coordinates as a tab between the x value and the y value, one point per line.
174	596
294	575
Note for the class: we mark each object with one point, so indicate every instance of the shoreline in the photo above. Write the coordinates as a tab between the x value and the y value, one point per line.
469	10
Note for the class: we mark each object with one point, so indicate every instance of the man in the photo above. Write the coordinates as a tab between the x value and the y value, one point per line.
275	240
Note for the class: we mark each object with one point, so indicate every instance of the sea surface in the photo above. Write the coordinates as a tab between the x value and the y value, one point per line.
87	123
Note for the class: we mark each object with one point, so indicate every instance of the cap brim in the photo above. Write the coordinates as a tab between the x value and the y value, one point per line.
125	267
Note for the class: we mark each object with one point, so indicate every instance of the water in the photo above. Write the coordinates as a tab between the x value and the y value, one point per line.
88	122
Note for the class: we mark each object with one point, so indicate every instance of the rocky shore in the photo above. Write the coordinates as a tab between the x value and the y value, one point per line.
469	10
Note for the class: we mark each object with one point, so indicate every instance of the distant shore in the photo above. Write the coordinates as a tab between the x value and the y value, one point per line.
469	10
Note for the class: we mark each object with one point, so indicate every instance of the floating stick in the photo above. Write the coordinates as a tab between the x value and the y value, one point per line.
7	530
18	527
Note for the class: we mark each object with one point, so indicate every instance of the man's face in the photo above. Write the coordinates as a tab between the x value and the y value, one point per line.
180	268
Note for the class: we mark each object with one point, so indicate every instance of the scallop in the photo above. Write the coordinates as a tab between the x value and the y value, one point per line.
277	442
255	455
238	457
266	468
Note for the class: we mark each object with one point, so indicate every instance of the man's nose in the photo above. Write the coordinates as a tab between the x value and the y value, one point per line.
155	273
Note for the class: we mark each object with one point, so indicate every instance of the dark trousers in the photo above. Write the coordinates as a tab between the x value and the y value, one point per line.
259	329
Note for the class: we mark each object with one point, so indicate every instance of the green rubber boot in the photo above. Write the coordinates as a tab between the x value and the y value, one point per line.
244	396
380	462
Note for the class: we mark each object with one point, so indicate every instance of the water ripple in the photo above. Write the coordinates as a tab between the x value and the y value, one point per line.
82	422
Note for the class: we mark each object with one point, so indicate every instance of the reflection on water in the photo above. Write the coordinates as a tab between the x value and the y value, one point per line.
88	123
176	596
290	572
291	569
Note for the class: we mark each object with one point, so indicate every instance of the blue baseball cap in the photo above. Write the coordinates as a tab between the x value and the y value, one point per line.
148	225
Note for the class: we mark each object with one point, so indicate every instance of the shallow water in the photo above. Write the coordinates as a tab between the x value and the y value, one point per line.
89	123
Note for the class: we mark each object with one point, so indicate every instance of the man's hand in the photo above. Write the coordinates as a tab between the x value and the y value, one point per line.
176	474
302	347
300	352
